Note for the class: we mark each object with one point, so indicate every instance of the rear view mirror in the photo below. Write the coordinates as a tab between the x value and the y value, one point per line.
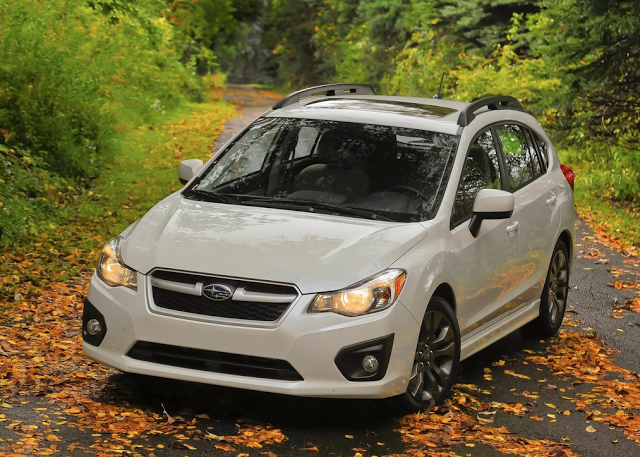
188	169
490	204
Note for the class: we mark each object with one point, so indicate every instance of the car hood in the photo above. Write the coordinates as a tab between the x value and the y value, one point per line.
313	251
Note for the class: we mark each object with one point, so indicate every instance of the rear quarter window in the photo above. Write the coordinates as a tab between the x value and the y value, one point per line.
542	149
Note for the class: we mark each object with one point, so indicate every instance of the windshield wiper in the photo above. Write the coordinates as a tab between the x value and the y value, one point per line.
204	195
312	206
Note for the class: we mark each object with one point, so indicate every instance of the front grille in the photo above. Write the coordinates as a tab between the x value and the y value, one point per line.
229	309
216	362
182	292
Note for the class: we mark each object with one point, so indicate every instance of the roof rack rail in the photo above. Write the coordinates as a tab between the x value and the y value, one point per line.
329	90
496	102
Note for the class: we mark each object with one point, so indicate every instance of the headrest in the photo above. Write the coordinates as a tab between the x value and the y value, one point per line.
339	148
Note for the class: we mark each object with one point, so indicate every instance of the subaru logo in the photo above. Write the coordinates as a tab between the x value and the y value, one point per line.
217	292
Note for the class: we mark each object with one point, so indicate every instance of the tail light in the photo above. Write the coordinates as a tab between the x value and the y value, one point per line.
568	173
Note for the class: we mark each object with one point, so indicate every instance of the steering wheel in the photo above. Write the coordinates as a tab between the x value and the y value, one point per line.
413	190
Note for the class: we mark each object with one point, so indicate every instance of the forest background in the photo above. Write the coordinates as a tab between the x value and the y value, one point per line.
78	76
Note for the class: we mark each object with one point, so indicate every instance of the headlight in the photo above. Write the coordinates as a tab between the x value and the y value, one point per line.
371	295
111	269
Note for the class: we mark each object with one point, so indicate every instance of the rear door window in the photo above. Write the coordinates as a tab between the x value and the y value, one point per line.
520	157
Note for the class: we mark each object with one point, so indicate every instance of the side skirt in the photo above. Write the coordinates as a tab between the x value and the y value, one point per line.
500	329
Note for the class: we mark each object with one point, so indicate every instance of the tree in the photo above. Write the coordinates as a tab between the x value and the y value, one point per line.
289	28
595	47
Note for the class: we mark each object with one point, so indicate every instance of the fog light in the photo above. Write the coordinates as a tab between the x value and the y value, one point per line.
94	327
370	364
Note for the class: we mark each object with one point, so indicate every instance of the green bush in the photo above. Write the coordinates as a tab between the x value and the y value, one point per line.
71	78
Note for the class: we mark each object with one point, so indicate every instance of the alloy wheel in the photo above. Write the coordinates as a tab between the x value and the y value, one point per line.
558	286
434	358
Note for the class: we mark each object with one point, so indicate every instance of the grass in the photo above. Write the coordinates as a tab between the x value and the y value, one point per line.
68	240
617	220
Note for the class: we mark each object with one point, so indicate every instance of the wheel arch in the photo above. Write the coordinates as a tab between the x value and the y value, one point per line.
567	239
445	291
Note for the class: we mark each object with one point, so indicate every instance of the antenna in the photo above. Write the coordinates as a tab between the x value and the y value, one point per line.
439	87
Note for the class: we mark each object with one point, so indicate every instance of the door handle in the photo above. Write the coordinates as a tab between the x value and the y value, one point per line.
513	228
552	199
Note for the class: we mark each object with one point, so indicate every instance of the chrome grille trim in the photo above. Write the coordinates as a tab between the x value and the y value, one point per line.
241	294
189	289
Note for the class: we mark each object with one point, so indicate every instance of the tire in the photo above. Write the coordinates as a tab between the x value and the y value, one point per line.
436	359
553	302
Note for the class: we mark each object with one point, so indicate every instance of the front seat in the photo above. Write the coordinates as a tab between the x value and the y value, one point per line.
337	177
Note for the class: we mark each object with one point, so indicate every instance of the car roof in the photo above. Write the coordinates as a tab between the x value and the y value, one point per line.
408	112
358	103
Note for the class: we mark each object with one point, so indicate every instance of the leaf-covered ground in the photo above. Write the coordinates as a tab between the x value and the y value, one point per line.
54	401
41	358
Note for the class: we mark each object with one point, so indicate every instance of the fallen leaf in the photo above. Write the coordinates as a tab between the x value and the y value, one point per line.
224	447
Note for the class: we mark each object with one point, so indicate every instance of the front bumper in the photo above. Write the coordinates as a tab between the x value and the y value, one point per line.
310	343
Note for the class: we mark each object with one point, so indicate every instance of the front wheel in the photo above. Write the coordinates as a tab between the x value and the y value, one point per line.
553	302
436	359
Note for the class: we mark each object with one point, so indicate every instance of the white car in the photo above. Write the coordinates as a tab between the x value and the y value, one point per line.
344	244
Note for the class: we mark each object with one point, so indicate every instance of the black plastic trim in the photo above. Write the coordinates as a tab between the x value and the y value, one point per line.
90	312
213	361
349	359
329	91
467	114
477	218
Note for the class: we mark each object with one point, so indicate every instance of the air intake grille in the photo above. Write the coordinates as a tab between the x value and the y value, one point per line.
217	362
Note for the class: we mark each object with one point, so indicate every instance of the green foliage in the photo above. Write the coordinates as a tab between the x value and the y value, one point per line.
289	26
71	78
468	75
474	24
212	32
356	40
594	48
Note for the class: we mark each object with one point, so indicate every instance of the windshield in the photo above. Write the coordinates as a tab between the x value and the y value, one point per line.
394	173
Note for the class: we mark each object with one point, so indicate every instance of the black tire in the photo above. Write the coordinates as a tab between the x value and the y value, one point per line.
553	302
436	359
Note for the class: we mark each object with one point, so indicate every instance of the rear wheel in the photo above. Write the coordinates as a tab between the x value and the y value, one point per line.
436	359
553	302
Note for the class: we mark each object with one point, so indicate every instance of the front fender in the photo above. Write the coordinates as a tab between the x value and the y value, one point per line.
429	264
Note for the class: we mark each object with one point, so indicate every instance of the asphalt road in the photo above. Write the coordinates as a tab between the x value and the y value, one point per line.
542	410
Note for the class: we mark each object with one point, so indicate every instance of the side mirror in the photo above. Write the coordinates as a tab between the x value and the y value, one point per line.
490	204
188	169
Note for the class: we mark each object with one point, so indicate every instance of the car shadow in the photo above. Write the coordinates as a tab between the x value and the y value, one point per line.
226	407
